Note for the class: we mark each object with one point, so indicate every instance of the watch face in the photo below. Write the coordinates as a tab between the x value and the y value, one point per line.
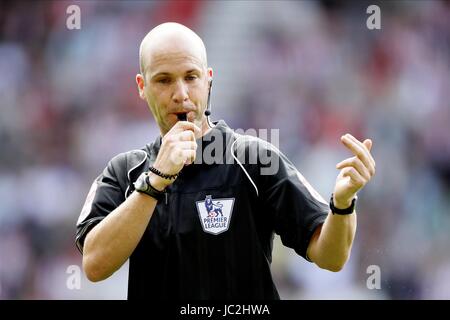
140	183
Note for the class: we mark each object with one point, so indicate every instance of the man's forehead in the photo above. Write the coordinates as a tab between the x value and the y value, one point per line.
173	57
173	62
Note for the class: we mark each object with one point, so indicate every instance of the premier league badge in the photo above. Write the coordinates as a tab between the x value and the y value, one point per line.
215	214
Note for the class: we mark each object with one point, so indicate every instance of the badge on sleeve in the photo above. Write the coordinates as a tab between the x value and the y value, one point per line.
215	214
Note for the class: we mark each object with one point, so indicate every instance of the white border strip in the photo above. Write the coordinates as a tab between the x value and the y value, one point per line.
240	164
129	171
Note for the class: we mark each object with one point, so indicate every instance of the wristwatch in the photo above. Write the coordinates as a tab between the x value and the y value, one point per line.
345	211
143	185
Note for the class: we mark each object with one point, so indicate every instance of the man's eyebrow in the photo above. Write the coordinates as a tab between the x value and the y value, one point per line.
160	74
193	70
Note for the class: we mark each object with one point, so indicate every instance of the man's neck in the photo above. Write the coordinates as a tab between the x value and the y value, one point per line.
207	126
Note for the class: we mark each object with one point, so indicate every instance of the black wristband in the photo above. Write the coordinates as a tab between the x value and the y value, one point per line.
345	211
163	175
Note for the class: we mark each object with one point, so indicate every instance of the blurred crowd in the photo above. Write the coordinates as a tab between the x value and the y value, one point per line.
69	103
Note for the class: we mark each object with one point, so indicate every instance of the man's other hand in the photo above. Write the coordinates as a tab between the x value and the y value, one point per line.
355	171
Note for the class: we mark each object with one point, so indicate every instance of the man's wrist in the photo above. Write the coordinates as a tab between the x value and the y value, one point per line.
342	204
157	182
342	208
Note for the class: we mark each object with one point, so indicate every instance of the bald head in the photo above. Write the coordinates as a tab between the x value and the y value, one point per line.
168	39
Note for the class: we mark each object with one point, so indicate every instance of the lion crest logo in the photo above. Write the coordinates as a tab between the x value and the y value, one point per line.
215	214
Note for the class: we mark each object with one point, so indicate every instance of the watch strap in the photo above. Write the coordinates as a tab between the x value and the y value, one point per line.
149	189
345	211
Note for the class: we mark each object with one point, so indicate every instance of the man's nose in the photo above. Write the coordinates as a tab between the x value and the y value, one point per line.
181	92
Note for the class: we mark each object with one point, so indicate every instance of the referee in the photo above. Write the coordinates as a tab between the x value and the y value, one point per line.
200	230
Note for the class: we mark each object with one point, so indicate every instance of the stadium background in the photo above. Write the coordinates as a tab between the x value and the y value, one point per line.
311	68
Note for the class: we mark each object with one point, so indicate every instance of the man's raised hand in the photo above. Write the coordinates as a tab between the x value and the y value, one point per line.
178	148
355	171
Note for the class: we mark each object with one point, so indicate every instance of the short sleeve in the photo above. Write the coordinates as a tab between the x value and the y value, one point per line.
104	196
297	209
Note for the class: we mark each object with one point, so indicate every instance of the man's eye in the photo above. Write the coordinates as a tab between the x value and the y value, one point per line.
191	78
163	80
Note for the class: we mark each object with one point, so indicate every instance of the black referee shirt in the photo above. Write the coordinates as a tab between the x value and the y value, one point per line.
211	238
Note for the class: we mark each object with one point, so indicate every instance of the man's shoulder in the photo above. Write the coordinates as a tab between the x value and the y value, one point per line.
127	161
248	142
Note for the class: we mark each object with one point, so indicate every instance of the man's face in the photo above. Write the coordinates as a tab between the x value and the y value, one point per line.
176	81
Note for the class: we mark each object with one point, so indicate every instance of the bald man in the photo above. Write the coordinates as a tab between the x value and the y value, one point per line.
169	53
201	229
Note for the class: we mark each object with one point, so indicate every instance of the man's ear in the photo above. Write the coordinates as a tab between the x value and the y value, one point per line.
141	84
